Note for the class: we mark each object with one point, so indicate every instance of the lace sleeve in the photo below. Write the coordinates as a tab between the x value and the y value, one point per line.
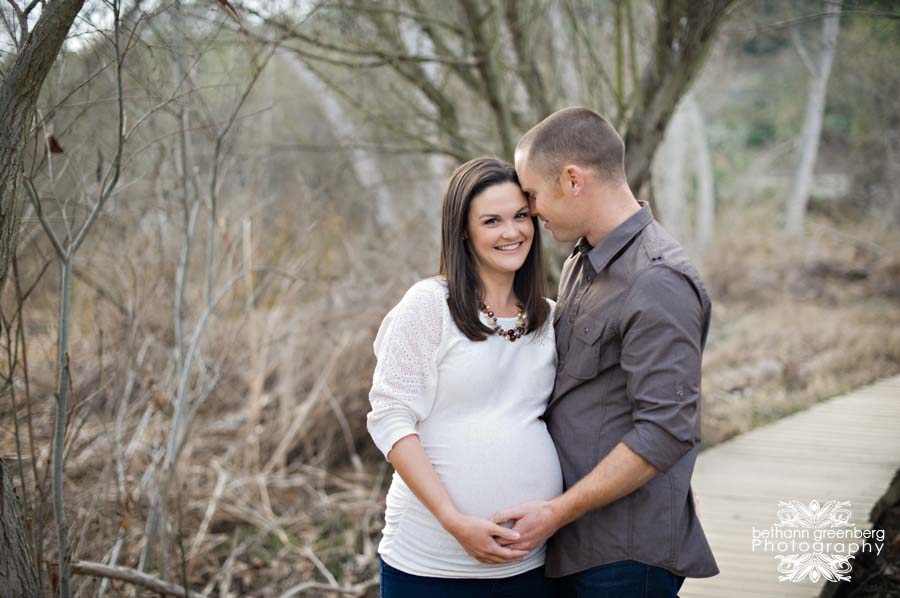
406	347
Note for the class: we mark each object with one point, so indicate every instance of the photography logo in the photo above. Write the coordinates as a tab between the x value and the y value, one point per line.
815	541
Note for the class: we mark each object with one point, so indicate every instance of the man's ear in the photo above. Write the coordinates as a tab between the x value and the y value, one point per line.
572	179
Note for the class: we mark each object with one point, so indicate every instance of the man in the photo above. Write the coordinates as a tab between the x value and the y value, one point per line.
631	322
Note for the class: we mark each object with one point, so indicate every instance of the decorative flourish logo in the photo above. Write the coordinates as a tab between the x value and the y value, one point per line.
832	514
796	515
815	541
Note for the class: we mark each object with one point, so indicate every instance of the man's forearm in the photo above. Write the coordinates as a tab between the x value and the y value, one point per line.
621	472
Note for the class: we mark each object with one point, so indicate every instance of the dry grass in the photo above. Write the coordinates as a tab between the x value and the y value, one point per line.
275	489
795	321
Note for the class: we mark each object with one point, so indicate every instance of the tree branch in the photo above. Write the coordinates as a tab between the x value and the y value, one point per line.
133	577
463	71
490	73
685	32
527	69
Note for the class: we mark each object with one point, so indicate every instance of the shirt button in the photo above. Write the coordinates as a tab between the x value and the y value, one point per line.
571	319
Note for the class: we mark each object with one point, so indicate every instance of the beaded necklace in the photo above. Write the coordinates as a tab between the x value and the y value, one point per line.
513	333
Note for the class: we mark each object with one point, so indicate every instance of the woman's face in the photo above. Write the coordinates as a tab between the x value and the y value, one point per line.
500	229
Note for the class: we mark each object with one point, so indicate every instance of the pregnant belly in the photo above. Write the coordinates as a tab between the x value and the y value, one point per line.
487	466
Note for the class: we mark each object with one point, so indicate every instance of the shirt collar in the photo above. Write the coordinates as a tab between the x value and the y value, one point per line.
610	246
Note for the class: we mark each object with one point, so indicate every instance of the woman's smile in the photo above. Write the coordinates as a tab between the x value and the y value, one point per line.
511	248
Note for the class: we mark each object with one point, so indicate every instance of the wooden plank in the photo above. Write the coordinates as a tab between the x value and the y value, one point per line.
846	448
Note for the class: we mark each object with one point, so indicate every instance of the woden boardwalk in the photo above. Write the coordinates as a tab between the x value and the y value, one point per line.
846	448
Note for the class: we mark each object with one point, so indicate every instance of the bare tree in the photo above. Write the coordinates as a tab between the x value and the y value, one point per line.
669	177
37	50
187	349
65	252
363	164
19	91
685	31
17	572
683	186
706	194
476	82
812	123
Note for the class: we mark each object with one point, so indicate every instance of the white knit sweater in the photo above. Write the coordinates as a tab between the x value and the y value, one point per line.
476	408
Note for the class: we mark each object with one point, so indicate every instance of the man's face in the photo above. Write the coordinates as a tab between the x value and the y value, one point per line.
549	202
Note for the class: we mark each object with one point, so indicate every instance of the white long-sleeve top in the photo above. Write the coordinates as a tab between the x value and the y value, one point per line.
476	408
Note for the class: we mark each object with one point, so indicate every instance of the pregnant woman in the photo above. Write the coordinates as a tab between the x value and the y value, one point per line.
466	365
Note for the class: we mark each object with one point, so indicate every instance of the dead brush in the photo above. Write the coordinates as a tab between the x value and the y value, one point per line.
794	322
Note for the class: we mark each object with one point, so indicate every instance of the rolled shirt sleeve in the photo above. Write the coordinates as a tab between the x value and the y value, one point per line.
404	382
662	340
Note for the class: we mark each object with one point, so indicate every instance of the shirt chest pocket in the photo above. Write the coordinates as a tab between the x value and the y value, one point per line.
590	348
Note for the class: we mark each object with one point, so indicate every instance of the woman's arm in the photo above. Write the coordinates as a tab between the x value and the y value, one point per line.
403	391
476	535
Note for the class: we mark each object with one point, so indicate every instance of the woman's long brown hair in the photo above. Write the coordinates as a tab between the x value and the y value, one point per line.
458	262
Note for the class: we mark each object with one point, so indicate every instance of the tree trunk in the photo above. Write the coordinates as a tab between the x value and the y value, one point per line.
17	575
567	86
363	165
682	179
19	93
706	194
18	96
684	34
812	124
483	29
668	181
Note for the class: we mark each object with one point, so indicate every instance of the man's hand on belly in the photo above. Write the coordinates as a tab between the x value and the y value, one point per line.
619	473
483	539
535	521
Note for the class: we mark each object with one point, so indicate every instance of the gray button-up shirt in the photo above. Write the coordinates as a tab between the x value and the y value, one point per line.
631	321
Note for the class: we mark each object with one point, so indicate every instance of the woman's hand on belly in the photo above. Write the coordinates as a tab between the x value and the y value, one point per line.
479	538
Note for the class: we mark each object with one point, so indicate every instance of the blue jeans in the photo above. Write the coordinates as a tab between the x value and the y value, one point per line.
623	579
397	584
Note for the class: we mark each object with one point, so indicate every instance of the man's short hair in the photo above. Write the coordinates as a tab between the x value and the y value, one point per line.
575	135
